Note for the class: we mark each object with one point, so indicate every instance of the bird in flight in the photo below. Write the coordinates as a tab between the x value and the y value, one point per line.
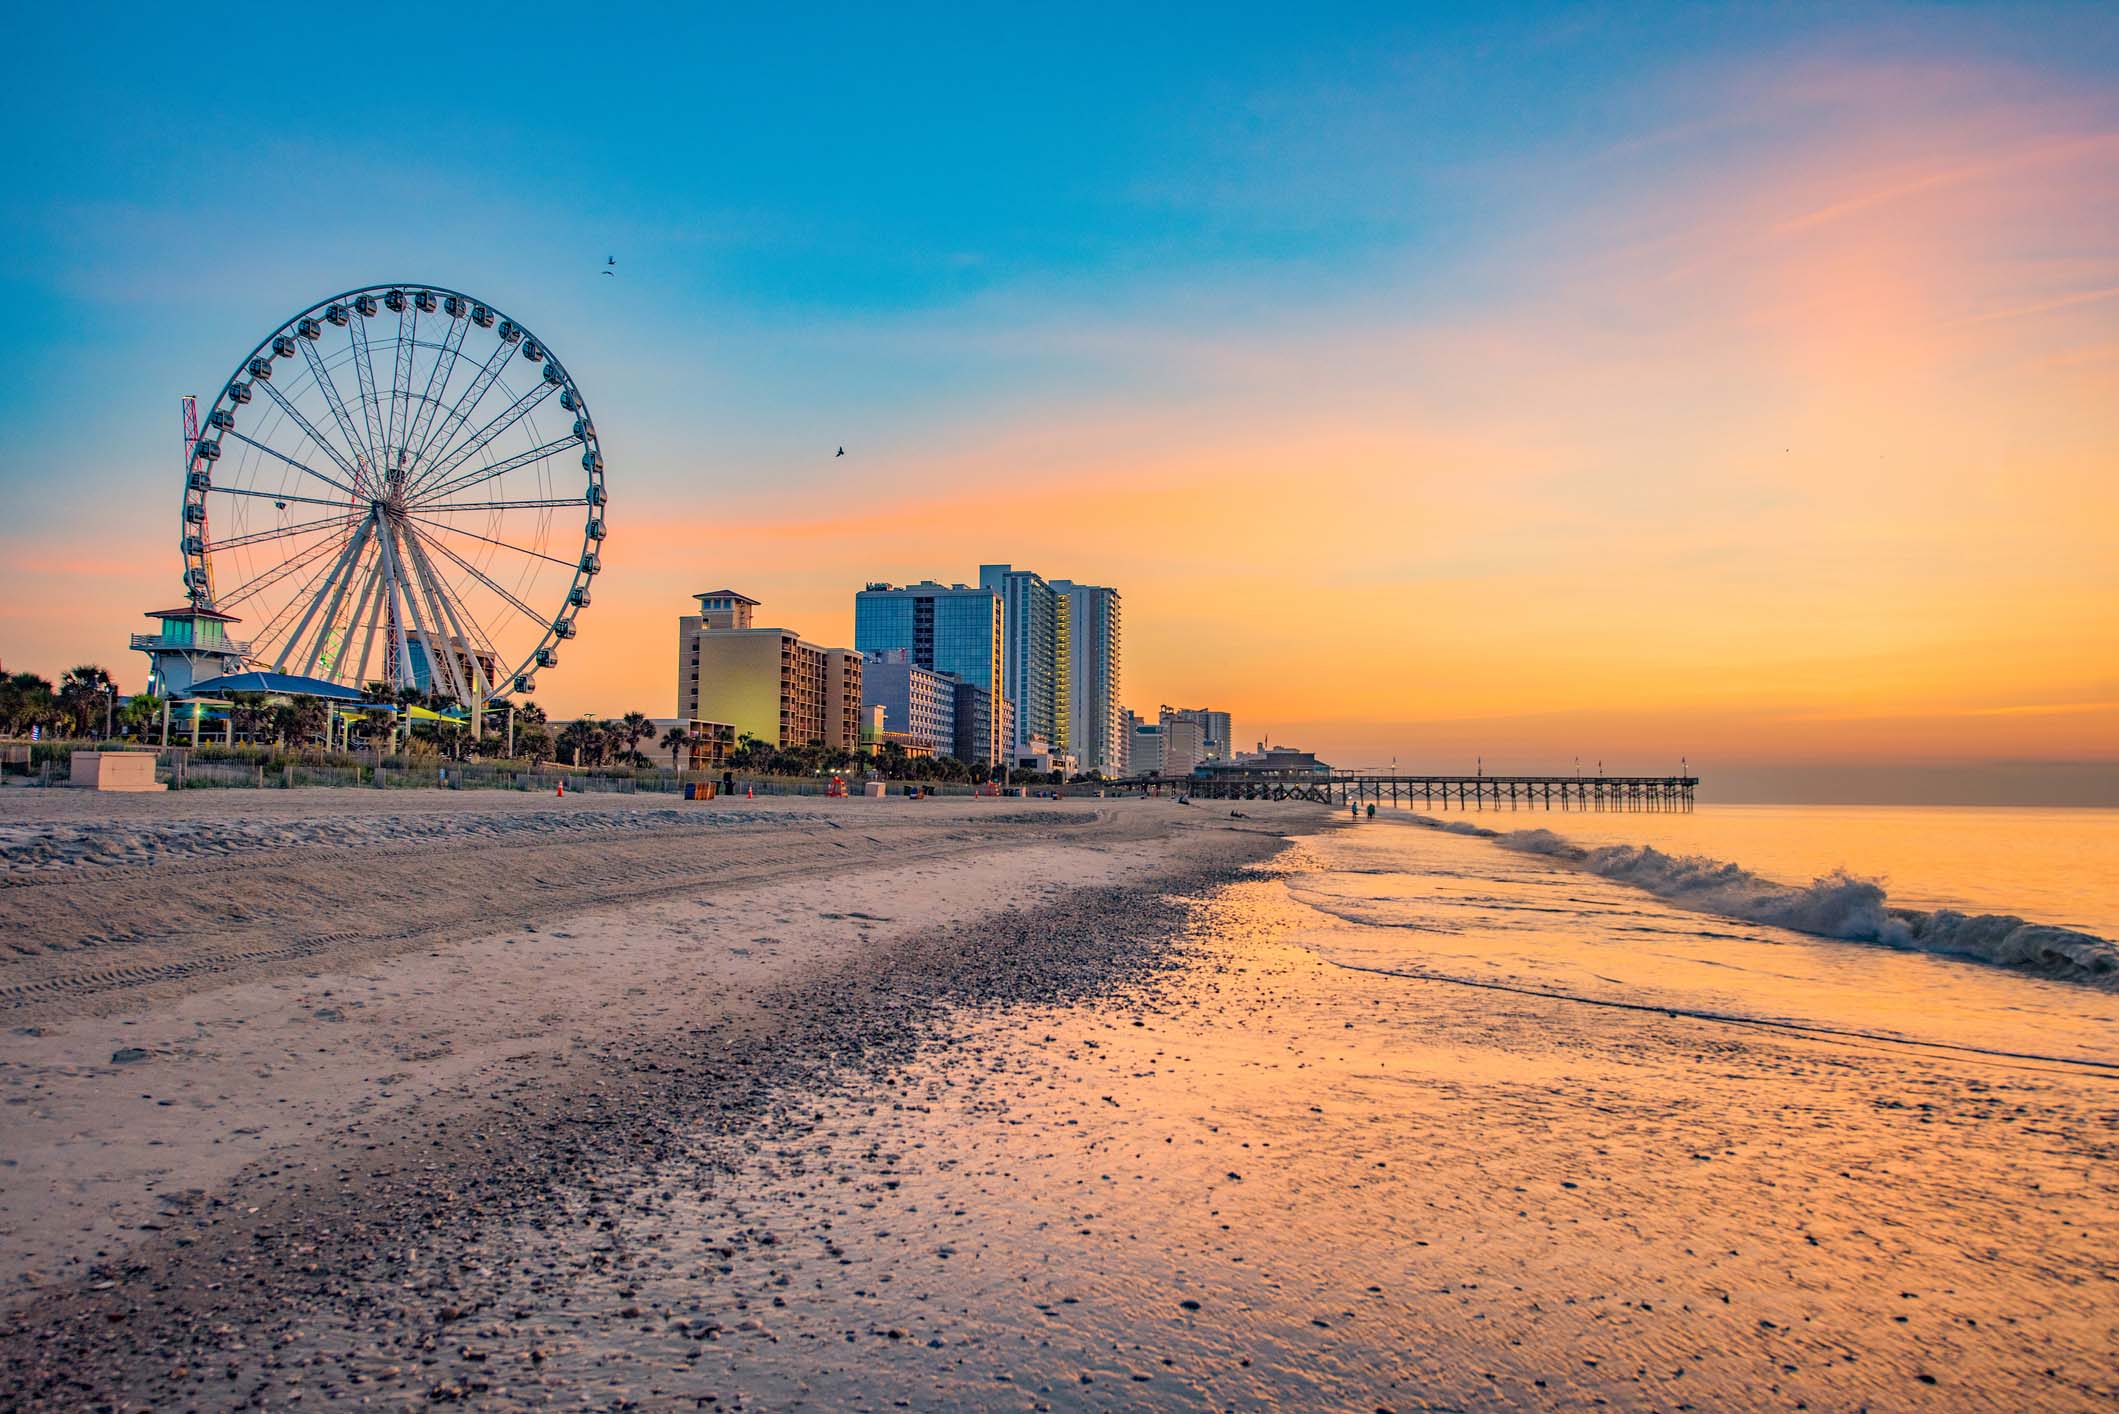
608	262
841	453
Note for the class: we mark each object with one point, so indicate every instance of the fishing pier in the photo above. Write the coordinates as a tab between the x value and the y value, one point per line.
1478	792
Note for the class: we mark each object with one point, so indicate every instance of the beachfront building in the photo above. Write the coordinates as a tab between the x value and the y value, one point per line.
768	683
707	745
1184	743
1144	755
191	646
979	728
1038	754
1096	729
1219	742
917	705
951	629
1127	721
1035	633
1282	761
878	740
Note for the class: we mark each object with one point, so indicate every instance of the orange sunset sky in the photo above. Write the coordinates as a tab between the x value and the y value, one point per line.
1750	395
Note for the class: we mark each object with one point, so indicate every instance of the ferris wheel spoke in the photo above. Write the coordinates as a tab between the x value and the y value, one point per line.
518	549
260	537
400	415
281	497
334	585
321	373
466	402
297	465
500	592
266	579
364	371
438	382
450	507
499	468
276	622
426	543
308	429
481	439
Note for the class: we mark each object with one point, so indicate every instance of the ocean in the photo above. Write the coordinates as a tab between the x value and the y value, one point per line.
1974	927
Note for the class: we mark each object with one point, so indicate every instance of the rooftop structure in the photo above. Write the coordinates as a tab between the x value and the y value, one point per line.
191	646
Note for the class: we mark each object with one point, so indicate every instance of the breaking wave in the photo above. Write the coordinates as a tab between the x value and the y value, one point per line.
1837	905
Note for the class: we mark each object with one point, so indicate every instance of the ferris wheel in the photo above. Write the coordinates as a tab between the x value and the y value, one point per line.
403	485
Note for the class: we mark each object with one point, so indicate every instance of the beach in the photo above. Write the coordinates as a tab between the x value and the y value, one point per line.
381	1099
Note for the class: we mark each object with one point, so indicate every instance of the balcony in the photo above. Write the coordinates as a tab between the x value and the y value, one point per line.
227	648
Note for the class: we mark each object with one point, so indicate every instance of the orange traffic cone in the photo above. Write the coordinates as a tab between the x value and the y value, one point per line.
750	793
562	785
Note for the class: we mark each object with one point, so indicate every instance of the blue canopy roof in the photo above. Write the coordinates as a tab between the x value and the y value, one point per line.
275	682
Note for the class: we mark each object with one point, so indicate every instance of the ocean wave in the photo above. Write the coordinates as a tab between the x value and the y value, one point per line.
1837	905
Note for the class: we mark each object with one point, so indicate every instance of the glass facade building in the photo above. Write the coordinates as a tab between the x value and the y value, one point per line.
946	628
1033	633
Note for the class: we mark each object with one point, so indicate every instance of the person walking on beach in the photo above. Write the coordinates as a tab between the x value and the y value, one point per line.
1372	810
1353	809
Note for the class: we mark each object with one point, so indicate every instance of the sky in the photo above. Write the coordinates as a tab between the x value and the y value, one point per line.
1516	384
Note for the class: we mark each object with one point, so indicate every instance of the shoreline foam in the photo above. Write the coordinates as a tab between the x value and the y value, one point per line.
1840	905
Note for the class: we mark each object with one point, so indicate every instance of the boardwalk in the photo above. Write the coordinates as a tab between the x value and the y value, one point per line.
1659	793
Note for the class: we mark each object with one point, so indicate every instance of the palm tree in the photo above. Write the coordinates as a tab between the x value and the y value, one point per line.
312	719
141	714
84	693
632	728
582	737
674	741
26	701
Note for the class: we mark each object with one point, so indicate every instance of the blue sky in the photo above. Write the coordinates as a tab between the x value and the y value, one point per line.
941	238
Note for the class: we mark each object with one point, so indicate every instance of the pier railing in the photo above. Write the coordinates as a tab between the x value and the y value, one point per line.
1479	792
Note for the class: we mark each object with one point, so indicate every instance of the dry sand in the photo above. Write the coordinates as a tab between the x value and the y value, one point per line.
217	1002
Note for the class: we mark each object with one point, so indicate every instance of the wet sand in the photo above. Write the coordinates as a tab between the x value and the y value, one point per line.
909	1123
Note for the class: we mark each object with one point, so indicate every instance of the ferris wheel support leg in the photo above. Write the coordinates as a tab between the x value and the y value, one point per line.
438	597
441	666
335	587
393	572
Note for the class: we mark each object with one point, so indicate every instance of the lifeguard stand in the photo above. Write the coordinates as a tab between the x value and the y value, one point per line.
193	646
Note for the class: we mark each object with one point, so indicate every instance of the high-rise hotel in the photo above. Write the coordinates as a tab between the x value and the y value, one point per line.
1061	648
1040	658
1035	634
770	683
945	628
1095	721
